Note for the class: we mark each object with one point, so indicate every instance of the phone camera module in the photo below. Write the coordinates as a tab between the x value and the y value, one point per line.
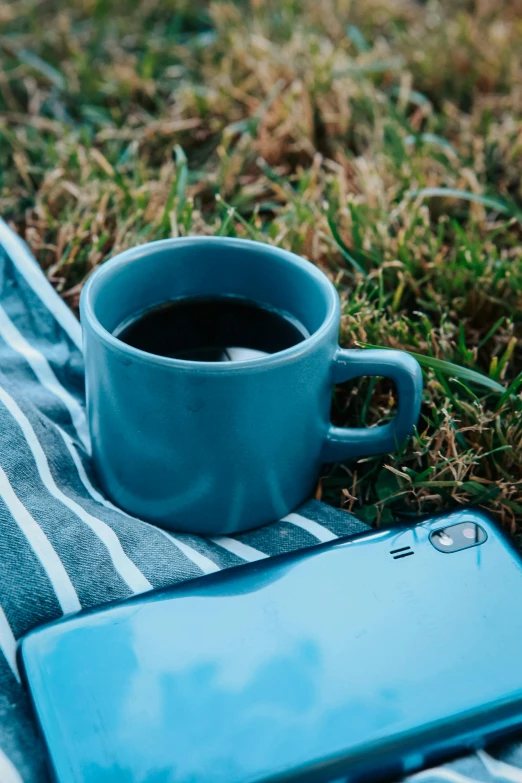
454	538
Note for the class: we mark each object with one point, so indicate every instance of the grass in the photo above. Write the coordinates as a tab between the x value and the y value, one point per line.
381	139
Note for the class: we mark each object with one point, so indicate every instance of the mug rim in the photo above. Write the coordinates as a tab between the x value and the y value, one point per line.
111	267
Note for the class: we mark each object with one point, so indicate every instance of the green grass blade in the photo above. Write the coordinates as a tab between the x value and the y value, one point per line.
496	326
48	71
181	175
343	249
433	139
466	195
511	389
357	38
450	369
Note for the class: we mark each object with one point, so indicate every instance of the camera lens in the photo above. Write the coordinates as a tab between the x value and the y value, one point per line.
454	538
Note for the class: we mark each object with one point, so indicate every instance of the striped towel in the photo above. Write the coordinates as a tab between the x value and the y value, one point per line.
64	546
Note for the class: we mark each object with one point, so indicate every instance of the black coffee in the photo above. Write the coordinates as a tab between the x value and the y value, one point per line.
211	329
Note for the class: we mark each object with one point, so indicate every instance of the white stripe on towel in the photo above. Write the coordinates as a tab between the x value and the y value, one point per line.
437	775
41	546
42	369
21	257
8	772
243	551
205	563
84	478
499	770
128	571
8	644
314	528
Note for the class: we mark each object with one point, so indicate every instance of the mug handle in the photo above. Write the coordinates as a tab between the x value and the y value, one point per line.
353	442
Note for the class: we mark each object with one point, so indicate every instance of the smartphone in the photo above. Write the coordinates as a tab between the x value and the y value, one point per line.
364	658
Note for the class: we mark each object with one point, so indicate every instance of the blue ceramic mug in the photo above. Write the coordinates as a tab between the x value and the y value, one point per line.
208	447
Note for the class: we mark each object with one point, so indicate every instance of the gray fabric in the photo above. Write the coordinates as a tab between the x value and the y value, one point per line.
64	546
